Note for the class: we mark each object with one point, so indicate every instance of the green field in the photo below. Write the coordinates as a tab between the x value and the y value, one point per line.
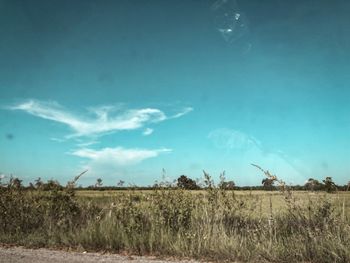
212	224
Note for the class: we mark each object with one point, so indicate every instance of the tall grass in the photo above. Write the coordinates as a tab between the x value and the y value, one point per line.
215	224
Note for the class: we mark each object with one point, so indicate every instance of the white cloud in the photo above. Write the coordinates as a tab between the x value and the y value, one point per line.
147	131
105	119
116	162
181	113
57	139
118	156
88	143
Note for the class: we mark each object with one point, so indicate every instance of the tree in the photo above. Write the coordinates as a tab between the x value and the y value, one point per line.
329	185
38	183
186	183
15	182
312	184
227	185
270	180
98	182
268	183
120	183
51	185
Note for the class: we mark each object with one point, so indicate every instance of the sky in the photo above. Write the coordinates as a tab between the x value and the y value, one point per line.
141	91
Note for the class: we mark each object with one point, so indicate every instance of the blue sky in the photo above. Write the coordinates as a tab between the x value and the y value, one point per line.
127	88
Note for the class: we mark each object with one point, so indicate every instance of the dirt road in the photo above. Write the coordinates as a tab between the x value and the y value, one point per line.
23	255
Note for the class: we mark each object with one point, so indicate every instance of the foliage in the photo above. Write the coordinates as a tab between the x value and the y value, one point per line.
268	182
214	224
226	185
120	183
98	182
48	212
329	185
185	182
313	185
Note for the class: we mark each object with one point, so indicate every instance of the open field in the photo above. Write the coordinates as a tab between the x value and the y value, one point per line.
211	224
260	200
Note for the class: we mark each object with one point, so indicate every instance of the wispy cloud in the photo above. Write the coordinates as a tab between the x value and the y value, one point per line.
86	144
233	139
181	113
250	149
118	156
106	118
147	131
57	139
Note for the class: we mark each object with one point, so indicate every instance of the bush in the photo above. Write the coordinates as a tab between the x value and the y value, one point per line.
184	182
48	212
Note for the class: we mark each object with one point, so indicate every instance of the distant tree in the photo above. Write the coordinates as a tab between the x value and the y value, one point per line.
268	183
313	184
120	183
15	182
228	185
329	185
348	186
185	182
298	187
98	182
38	183
51	185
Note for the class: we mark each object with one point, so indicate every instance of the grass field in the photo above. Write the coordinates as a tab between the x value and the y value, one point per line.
259	200
214	224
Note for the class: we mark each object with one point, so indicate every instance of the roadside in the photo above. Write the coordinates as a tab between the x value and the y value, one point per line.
25	255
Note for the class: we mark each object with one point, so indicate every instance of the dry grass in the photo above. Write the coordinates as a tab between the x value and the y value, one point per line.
213	224
261	199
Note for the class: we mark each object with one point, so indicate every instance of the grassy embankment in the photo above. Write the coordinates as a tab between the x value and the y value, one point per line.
213	224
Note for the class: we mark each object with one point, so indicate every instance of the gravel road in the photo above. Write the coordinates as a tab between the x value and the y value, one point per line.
24	255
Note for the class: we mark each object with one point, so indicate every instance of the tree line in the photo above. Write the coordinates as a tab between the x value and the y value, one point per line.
185	182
